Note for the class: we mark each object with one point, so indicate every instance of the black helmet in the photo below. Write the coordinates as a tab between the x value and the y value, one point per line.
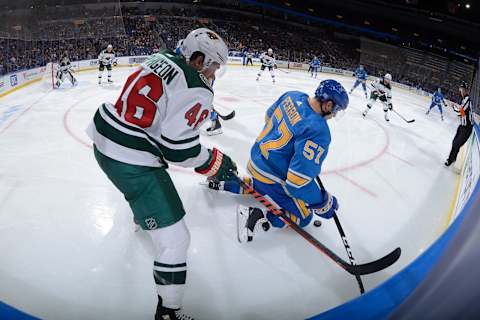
463	84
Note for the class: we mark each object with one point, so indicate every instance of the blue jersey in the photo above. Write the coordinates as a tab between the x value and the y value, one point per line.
292	147
437	98
315	63
361	74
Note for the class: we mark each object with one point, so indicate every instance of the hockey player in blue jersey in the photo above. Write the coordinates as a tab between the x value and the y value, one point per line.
361	76
287	157
437	100
315	65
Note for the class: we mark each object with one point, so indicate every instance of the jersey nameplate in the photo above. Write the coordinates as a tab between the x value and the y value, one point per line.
163	68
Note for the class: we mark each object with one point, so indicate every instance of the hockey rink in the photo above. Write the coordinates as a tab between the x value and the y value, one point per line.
69	250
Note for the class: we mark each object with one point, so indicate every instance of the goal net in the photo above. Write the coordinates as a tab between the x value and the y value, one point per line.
48	78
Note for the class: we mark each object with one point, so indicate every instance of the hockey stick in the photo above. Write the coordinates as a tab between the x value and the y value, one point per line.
358	269
345	242
227	116
283	70
398	114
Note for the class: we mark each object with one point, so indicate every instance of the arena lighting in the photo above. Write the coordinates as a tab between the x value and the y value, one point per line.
467	5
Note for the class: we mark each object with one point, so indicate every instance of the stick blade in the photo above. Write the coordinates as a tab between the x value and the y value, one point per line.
227	116
410	121
375	266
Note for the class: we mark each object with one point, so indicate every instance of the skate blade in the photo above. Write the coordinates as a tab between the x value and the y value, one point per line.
214	133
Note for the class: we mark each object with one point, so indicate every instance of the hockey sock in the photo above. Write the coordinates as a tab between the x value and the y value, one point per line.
170	267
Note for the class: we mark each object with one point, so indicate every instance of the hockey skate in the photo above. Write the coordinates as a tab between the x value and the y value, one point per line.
215	129
386	117
110	81
250	221
213	184
164	313
448	163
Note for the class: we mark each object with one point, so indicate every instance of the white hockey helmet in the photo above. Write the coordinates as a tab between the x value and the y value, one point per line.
109	47
207	42
388	76
270	50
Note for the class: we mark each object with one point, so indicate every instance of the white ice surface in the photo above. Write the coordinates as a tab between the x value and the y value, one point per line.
67	246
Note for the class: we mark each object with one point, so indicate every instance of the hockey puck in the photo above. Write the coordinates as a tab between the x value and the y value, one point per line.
317	223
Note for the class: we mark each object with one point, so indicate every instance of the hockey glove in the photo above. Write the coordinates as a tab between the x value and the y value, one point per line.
219	166
327	209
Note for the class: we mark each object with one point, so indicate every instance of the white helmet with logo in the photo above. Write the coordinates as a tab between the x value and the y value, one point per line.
207	42
388	76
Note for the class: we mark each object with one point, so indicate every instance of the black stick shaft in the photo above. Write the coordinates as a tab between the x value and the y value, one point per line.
345	243
359	269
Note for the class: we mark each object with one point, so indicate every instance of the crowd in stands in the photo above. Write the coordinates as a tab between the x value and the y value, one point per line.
132	31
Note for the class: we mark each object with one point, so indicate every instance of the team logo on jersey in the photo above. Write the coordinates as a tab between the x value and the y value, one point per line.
151	223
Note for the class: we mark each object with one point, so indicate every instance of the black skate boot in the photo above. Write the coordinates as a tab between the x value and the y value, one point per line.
164	313
215	129
249	221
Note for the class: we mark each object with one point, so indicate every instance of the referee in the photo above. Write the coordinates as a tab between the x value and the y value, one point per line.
466	124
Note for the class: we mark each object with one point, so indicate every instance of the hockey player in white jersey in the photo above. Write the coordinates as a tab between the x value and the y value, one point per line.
156	121
65	70
105	60
381	90
268	61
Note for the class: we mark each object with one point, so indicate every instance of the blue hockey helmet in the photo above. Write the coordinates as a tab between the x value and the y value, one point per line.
332	90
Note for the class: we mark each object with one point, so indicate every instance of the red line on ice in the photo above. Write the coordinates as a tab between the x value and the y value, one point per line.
364	189
398	158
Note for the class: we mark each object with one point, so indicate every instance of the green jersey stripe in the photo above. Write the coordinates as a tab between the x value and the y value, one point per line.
123	139
145	144
179	141
165	265
168	278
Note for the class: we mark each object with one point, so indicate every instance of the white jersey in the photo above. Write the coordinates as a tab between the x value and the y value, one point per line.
157	116
382	89
65	65
106	58
267	60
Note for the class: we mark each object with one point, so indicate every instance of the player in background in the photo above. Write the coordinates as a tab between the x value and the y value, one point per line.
361	76
465	127
287	157
105	60
381	90
268	61
156	121
437	100
315	64
65	70
249	58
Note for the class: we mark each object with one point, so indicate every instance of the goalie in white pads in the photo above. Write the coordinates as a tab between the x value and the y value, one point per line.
65	70
156	121
105	60
381	90
268	61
